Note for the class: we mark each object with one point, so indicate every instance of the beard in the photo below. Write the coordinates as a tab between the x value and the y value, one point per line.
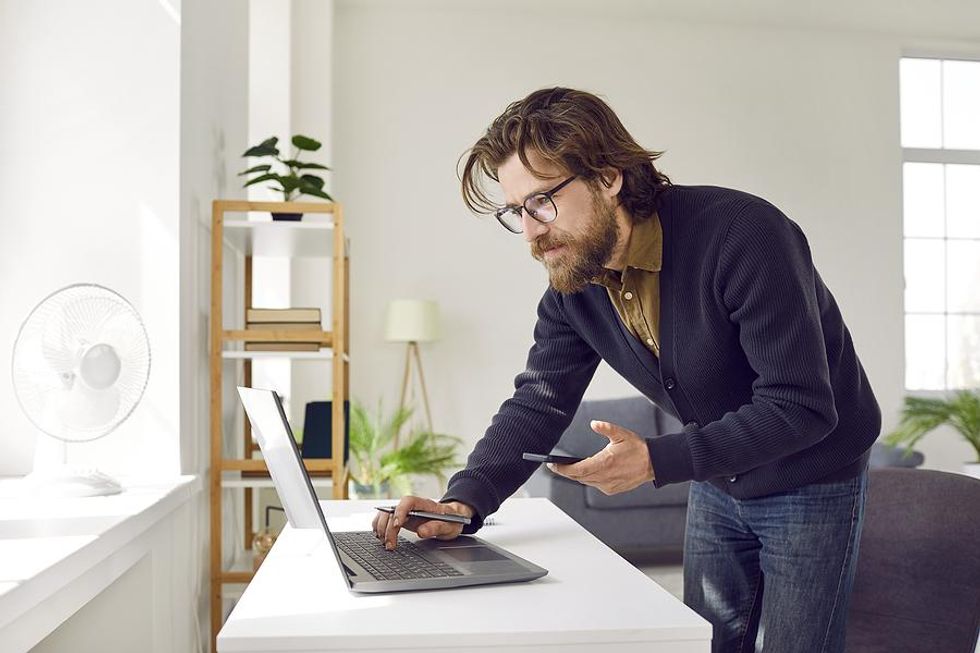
584	256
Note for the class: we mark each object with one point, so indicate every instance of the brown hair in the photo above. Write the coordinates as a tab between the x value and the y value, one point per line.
574	130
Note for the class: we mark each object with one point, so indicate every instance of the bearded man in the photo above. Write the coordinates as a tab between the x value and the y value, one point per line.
706	299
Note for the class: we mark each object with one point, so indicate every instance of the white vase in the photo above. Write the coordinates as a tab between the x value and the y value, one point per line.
972	469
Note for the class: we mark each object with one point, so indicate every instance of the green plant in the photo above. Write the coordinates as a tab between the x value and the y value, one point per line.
294	182
921	415
377	461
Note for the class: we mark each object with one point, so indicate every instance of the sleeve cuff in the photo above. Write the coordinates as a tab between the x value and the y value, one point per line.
474	494
670	456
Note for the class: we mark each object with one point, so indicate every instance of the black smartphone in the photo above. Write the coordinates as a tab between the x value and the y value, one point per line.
422	514
550	458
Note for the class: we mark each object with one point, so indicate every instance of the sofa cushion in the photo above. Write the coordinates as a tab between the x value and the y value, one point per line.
645	496
638	414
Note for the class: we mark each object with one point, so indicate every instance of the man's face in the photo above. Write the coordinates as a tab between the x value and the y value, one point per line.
580	241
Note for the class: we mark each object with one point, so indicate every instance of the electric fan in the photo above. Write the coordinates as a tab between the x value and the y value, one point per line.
80	365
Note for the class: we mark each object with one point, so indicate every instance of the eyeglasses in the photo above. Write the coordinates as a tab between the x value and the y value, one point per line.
539	206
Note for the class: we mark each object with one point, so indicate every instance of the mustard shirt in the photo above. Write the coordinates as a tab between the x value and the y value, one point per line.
636	291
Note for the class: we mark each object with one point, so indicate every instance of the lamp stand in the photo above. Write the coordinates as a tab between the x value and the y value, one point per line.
412	352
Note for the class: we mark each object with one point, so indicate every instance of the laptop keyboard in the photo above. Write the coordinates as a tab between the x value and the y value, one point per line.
406	562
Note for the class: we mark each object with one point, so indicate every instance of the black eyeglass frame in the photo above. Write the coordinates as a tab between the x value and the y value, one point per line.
517	210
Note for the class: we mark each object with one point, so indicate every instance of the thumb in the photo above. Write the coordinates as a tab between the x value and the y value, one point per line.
613	432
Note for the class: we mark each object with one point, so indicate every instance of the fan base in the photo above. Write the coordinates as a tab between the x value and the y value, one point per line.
66	481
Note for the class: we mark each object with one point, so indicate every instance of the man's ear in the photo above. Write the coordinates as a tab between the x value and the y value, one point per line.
612	182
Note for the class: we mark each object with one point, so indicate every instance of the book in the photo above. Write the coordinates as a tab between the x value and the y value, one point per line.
264	315
282	346
285	326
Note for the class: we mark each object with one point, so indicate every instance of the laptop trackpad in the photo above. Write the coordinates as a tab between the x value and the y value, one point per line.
475	553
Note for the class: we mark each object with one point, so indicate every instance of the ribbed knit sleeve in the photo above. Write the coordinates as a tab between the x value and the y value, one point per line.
547	393
765	281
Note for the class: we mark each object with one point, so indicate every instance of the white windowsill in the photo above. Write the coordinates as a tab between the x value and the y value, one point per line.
62	552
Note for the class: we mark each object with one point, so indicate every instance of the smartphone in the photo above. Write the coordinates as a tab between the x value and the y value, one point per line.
422	514
549	458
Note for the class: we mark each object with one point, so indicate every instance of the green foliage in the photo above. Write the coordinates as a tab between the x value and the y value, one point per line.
921	415
377	461
294	182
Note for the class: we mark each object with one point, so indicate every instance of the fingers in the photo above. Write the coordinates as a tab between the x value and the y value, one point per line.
439	529
575	471
390	525
401	519
614	432
379	524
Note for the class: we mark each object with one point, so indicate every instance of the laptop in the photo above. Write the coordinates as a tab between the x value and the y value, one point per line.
416	564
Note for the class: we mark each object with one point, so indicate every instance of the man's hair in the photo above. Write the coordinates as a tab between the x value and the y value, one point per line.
573	130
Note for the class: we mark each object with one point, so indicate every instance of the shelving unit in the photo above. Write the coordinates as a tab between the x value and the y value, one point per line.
315	236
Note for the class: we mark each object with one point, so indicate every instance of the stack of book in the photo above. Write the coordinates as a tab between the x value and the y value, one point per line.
283	319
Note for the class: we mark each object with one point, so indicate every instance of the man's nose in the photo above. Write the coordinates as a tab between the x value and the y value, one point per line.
532	228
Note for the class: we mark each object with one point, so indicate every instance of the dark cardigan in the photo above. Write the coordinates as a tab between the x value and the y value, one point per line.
755	360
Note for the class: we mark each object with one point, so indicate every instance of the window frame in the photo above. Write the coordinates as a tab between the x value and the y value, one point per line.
943	156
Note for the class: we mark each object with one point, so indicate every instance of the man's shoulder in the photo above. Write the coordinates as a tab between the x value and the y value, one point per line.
702	210
709	200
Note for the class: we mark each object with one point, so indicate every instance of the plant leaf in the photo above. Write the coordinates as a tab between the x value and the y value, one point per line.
262	168
265	148
921	415
262	178
312	180
316	193
290	182
306	143
299	165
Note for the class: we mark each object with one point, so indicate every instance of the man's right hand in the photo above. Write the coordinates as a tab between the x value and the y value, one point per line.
386	526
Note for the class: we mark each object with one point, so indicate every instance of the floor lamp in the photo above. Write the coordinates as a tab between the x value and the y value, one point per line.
412	321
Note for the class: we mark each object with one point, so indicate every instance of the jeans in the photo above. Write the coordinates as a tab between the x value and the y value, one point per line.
774	573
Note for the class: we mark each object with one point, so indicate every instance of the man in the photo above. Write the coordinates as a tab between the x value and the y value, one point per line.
706	299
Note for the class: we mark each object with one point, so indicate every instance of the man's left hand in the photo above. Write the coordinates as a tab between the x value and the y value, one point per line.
624	463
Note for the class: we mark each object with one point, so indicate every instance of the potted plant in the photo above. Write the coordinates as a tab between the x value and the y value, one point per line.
921	415
378	467
295	181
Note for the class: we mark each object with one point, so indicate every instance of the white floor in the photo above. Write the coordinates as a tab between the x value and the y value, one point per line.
670	577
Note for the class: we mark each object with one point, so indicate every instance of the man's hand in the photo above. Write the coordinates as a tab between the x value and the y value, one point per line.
386	526
624	463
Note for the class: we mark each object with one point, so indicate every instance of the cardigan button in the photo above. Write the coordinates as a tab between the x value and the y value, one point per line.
693	424
732	479
669	383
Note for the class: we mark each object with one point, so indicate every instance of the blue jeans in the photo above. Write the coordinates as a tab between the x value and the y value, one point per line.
774	573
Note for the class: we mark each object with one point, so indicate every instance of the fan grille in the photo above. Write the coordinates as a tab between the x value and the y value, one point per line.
49	347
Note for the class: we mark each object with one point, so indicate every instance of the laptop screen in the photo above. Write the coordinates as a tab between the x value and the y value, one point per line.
271	430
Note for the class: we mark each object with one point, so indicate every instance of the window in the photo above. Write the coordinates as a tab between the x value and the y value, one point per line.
940	122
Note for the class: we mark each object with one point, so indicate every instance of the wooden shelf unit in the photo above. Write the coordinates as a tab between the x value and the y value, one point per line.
309	238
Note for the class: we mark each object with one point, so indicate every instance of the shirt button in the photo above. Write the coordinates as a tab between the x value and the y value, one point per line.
628	295
732	479
650	341
669	383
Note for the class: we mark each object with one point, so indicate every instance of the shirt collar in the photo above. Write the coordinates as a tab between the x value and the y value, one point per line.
644	251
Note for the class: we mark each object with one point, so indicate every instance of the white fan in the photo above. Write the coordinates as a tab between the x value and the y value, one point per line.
80	365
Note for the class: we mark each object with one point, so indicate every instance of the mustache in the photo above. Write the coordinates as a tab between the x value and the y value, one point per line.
544	243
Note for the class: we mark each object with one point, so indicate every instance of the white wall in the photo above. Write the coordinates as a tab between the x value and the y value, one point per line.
795	104
89	120
214	132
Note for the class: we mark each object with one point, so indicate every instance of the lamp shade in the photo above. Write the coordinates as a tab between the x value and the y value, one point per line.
412	320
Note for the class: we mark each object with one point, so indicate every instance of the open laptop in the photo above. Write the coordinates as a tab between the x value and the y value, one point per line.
417	564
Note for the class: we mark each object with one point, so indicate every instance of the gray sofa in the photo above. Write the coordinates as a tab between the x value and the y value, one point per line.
638	524
645	524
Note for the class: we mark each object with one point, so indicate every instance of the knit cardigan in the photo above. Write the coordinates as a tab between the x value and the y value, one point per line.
755	361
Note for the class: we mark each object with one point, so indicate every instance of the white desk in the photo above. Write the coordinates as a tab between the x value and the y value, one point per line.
591	599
